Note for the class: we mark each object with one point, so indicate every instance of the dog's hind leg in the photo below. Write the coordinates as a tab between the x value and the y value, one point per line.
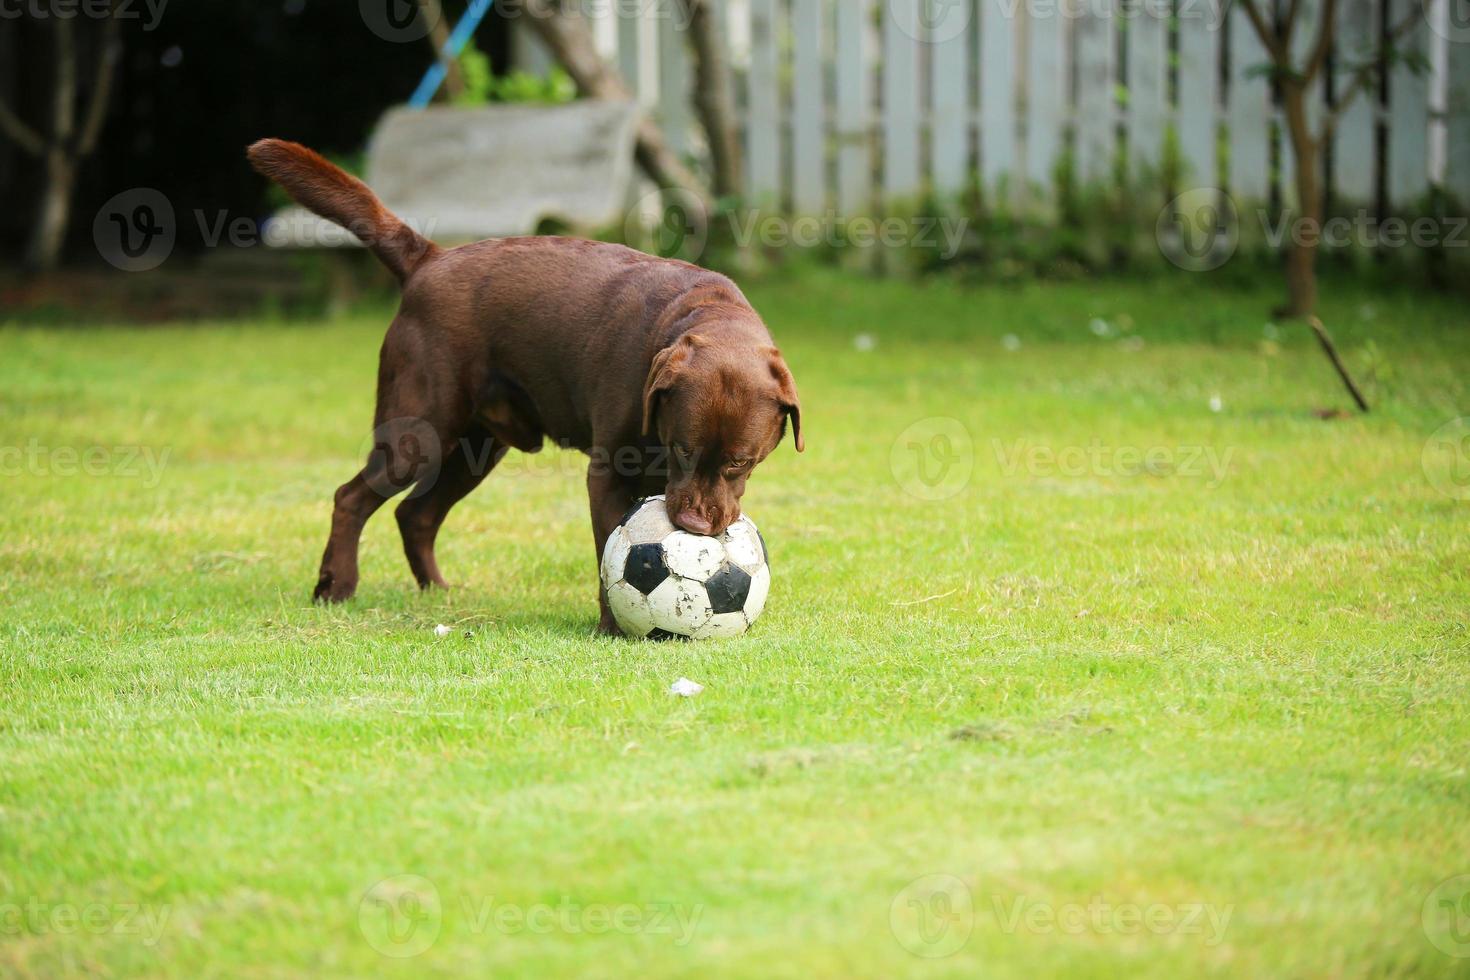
466	464
502	418
405	451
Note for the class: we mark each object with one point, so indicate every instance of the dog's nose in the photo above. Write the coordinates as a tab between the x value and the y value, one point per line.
694	522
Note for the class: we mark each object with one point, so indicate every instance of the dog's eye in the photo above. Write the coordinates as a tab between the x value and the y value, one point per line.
684	452
738	464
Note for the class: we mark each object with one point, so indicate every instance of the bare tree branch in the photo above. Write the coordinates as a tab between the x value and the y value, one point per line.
1289	30
1328	347
1265	32
1323	47
108	53
572	44
1367	73
433	14
63	146
714	97
24	136
64	101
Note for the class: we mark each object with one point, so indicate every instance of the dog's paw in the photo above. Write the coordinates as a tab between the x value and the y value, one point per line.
330	588
609	627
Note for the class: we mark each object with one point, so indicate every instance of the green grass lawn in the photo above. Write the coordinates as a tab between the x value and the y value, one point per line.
1171	680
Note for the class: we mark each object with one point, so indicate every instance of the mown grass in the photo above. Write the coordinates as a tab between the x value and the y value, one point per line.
1208	664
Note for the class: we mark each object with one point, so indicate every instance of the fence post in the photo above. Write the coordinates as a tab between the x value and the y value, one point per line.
1408	115
1199	61
763	126
673	78
1147	53
630	52
1249	113
950	119
1457	110
808	119
854	102
1355	144
999	40
1045	102
1096	132
901	103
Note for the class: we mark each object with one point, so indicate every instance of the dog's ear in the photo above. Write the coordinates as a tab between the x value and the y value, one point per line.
662	374
787	396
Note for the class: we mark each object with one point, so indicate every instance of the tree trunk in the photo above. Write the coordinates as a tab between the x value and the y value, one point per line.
572	45
433	14
1301	255
714	97
48	234
63	147
43	254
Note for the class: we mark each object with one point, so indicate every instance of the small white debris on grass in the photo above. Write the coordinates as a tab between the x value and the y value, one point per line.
1217	404
1011	342
865	342
442	630
685	688
1100	327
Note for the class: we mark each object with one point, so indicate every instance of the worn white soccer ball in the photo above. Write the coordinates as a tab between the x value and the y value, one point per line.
662	582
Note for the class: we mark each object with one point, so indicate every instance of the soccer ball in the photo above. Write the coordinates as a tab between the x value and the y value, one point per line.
662	582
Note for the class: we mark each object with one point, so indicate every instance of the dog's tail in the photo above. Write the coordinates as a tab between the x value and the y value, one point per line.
336	195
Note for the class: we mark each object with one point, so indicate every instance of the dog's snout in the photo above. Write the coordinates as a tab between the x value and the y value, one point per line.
694	522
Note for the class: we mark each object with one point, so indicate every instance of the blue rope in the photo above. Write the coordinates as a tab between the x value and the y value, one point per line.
463	31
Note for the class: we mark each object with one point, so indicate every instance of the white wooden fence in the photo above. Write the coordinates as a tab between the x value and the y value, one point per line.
846	104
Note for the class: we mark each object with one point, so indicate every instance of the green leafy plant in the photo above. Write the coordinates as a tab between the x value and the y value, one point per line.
482	86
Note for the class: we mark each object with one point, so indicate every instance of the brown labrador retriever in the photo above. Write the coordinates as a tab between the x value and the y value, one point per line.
659	370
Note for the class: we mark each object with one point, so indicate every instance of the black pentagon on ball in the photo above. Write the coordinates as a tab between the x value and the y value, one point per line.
765	555
664	636
645	569
728	589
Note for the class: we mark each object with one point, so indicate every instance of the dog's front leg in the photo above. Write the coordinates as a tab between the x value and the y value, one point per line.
610	497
